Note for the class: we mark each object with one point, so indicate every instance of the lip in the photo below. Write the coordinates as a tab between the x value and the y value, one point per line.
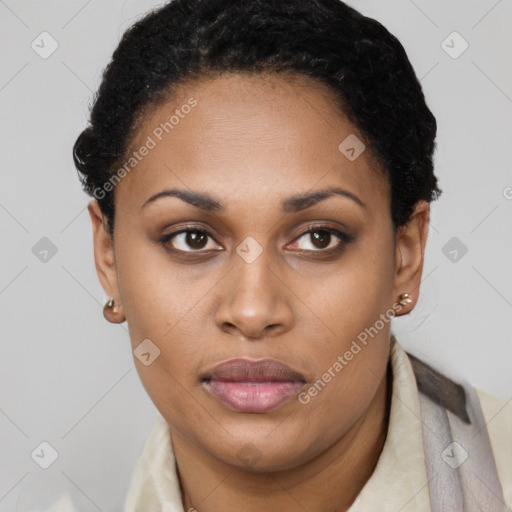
253	386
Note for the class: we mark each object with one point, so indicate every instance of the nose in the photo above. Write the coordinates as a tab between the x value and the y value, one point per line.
254	301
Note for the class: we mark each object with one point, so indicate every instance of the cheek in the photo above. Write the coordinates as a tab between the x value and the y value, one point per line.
159	296
177	335
351	346
164	304
351	295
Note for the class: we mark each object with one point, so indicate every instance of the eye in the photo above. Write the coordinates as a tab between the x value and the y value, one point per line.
190	240
316	239
320	238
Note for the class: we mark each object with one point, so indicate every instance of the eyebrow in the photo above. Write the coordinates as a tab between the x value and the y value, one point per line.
290	205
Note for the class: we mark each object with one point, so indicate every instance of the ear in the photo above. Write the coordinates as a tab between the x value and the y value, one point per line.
103	252
411	240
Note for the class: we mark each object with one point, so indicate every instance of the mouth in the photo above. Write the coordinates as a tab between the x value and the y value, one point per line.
253	386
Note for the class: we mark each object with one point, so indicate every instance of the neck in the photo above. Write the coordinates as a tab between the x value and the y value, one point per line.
209	485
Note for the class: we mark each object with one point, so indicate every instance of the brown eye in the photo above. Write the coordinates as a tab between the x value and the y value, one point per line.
190	240
320	239
196	239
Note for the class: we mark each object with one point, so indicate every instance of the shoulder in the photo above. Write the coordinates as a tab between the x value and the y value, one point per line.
64	504
498	418
496	415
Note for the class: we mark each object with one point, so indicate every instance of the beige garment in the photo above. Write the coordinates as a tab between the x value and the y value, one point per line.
399	482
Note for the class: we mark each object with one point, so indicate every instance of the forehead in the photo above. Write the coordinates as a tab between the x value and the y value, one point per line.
261	136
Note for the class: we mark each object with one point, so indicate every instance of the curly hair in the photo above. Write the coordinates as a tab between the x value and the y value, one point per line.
364	65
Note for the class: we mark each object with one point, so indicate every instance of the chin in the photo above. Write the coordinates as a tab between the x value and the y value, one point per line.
257	453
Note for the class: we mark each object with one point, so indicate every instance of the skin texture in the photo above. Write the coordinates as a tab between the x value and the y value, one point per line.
250	143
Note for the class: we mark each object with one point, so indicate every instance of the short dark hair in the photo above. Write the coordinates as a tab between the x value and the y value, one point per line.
361	62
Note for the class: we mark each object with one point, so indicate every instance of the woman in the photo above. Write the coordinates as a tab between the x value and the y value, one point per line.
261	174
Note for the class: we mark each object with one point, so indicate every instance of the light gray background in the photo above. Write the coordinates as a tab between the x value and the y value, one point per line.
67	376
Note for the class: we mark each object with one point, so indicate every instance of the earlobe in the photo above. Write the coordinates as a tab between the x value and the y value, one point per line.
103	251
112	312
411	240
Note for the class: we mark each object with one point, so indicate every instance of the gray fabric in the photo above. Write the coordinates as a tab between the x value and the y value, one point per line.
460	463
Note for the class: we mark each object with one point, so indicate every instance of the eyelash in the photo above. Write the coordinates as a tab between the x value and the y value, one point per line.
343	237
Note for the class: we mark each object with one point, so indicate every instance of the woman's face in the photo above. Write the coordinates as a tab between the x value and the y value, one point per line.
289	257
